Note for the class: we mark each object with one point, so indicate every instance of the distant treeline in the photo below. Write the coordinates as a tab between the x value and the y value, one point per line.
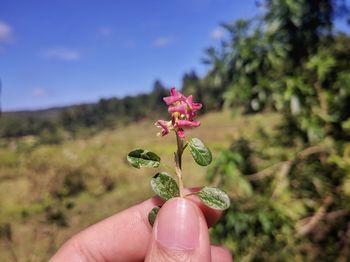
84	118
53	124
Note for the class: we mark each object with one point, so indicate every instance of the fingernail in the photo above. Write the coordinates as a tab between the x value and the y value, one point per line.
177	225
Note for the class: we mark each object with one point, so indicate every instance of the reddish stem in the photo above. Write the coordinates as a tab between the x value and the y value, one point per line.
178	163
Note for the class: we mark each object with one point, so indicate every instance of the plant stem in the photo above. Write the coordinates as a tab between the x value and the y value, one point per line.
178	164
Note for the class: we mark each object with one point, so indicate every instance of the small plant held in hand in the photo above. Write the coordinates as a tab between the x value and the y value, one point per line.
183	114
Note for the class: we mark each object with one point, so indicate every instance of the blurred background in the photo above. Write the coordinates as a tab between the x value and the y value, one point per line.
80	79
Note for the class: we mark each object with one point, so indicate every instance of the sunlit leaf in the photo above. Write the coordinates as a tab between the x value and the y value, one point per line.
143	158
200	152
165	186
214	198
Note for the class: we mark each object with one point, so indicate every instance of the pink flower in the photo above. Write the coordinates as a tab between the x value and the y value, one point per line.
193	106
187	123
181	133
182	111
164	126
175	97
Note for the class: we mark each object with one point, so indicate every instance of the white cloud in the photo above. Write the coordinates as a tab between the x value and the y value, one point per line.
217	34
105	31
62	54
6	32
39	92
163	41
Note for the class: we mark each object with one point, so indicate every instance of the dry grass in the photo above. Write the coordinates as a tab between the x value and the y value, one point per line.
29	180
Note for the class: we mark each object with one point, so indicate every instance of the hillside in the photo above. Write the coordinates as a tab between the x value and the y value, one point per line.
49	193
54	124
41	113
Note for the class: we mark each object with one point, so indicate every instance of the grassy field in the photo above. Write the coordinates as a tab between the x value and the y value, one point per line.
50	192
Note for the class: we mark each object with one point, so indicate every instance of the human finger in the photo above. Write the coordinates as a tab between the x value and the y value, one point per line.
220	254
121	237
180	233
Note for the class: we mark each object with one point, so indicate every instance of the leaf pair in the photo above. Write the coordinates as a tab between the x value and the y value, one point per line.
143	158
166	187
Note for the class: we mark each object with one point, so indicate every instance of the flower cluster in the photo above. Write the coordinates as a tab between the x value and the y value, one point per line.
183	112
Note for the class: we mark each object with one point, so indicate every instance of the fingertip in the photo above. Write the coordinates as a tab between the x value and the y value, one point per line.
180	233
177	224
220	254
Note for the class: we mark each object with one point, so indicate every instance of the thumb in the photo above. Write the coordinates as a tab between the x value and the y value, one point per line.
180	233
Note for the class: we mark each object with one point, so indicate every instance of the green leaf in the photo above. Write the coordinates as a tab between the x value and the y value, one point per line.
214	198
143	158
165	186
200	153
152	215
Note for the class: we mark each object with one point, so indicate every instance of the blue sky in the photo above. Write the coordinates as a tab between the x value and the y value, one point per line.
64	52
70	51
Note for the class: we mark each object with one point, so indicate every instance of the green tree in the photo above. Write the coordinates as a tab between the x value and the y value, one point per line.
291	60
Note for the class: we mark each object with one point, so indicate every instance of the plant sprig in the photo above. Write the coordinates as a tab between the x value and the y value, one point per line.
183	115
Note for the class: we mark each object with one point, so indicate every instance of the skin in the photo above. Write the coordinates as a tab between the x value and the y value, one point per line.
128	236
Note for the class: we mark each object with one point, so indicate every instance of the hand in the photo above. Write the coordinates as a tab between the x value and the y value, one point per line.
180	233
